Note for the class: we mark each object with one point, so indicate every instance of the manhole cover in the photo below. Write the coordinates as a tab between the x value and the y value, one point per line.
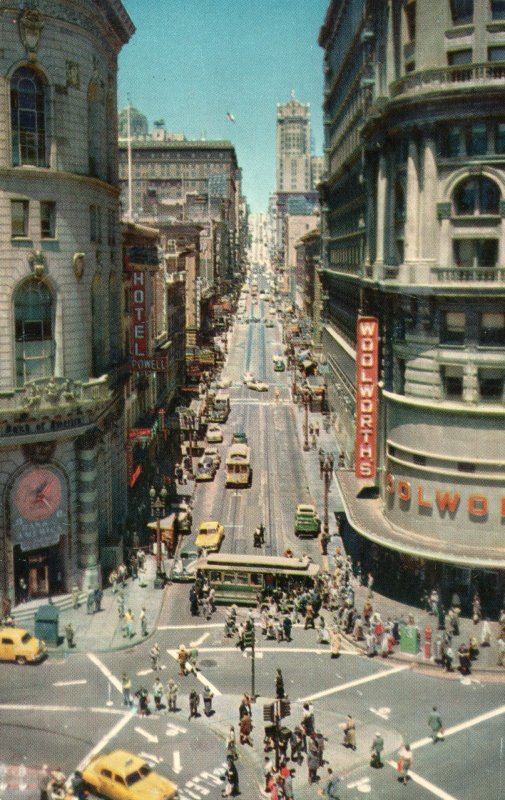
208	662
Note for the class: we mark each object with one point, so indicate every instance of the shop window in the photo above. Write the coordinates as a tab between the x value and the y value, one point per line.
496	53
471	253
477	196
499	137
33	322
498	9
19	218
459	57
462	11
491	383
452	381
453	327
47	219
492	328
28	118
476	139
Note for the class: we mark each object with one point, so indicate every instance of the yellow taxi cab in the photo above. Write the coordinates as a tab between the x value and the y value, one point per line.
18	645
210	536
121	775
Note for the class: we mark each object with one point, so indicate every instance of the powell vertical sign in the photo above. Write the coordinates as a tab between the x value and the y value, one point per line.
367	370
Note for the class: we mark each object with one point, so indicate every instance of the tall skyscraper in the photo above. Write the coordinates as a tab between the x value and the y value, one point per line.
293	146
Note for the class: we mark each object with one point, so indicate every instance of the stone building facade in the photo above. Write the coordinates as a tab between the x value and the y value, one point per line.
414	234
62	466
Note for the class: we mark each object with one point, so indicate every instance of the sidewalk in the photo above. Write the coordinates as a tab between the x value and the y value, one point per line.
487	661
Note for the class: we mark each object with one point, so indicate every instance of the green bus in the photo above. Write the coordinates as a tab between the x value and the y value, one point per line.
240	578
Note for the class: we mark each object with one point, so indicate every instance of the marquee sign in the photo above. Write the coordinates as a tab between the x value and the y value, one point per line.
367	371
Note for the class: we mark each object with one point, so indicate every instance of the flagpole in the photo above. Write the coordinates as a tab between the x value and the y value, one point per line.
129	151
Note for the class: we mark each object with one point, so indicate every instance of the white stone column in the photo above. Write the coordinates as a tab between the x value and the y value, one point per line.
380	211
86	451
412	205
429	232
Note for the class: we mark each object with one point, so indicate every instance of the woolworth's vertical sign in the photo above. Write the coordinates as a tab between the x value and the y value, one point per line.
367	363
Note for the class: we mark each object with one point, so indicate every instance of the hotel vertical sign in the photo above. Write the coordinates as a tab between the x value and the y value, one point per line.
367	371
138	310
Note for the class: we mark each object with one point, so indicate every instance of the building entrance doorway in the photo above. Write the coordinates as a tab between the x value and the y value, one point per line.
38	573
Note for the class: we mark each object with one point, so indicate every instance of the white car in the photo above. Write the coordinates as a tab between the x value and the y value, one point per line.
213	453
214	434
248	376
258	386
224	383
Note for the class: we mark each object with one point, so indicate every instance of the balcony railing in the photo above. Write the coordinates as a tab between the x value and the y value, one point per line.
469	274
55	395
445	77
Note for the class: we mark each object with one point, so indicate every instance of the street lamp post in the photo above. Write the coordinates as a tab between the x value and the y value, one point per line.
158	506
306	401
326	471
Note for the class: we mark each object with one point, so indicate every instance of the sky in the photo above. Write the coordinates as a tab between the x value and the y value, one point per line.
192	61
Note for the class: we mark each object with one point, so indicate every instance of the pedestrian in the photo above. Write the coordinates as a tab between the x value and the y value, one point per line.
320	740
435	723
323	634
143	698
268	771
287	626
243	708
44	781
128	624
369	583
207	701
126	686
78	786
231	744
464	659
309	617
485	634
171	693
307	723
245	730
232	776
69	635
154	655
194	702
349	728
279	685
143	621
288	785
120	604
404	763
377	748
90	602
97	598
312	760
157	692
331	785
75	596
193	602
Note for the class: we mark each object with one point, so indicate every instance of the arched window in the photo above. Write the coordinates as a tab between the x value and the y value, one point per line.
28	118
34	325
477	196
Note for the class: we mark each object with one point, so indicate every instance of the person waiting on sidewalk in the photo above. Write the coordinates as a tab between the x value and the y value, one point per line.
194	702
69	635
157	692
296	742
245	730
154	655
312	758
279	685
309	617
98	594
143	621
207	701
75	596
90	602
268	771
182	658
231	744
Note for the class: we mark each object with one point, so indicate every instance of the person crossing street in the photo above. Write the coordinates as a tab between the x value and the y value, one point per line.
435	723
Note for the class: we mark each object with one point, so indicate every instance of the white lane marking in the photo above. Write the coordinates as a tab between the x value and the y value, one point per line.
105	670
189	627
383	711
70	683
462	726
31	707
430	787
191	794
104	741
287	650
375	677
198	675
150	757
145	671
208	776
200	640
362	785
149	736
173	730
177	767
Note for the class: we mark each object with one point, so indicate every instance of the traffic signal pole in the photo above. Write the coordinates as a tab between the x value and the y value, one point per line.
253	667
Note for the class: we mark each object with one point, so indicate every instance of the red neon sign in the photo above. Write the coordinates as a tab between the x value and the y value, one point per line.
367	371
139	316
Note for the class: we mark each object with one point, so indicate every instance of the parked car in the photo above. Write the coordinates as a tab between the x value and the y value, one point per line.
205	470
184	567
224	383
213	453
210	536
16	644
257	386
307	522
121	775
214	434
239	437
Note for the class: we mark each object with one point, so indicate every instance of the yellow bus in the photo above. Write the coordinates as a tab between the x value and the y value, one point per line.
240	578
238	466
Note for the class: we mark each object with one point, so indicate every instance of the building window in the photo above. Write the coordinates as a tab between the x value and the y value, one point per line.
401	365
472	253
492	328
28	118
462	11
477	196
33	321
476	139
47	219
459	57
95	224
499	137
450	142
498	9
19	219
410	18
111	227
491	384
496	53
452	381
453	327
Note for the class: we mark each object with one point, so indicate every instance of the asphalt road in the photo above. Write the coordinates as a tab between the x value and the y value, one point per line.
61	711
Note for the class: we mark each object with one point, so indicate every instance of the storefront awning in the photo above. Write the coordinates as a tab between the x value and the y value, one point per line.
366	517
